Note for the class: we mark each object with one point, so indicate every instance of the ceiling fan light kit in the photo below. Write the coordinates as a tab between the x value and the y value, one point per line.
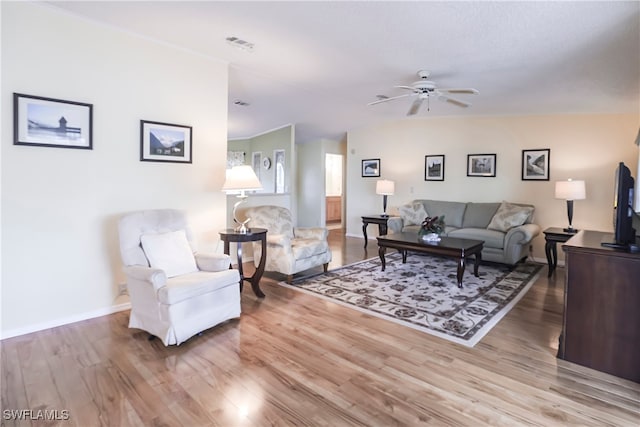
423	89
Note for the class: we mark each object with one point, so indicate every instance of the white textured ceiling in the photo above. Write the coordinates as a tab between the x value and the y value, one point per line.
318	64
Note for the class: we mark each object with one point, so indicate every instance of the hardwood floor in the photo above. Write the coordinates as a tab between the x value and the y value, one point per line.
295	359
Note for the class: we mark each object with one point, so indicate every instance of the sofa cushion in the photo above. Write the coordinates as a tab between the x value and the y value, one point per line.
491	238
453	211
412	213
479	215
508	216
169	252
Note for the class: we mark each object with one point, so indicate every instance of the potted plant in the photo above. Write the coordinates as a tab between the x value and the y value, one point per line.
431	228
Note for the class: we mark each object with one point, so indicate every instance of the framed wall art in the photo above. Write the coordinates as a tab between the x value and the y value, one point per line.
278	160
481	165
434	168
49	122
235	158
256	162
165	142
371	168
535	164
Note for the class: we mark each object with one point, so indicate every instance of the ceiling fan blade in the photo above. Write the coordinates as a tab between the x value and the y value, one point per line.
415	107
454	101
390	99
411	88
469	91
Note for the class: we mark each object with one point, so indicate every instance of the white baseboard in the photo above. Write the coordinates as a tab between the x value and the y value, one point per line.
65	321
359	236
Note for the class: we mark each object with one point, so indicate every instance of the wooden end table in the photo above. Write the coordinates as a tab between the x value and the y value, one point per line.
253	235
552	236
447	246
381	220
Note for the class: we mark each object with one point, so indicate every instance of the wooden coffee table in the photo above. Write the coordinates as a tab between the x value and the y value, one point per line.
447	246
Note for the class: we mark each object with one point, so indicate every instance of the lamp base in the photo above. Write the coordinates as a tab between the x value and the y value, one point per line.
242	225
570	230
242	228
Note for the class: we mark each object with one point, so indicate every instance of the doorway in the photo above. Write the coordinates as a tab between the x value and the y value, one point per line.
333	190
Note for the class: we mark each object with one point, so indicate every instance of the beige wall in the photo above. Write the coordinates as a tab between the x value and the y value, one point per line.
60	258
267	143
584	147
311	180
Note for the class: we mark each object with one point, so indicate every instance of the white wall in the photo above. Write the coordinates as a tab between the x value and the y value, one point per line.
586	147
60	206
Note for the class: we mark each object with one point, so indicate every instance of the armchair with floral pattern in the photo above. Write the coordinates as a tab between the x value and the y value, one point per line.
289	249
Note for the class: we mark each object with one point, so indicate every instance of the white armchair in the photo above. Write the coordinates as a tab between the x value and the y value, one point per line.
175	293
289	249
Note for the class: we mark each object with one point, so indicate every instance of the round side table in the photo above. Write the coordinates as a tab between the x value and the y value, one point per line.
253	235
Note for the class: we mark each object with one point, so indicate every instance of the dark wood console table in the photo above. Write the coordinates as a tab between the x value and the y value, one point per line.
601	325
381	220
253	235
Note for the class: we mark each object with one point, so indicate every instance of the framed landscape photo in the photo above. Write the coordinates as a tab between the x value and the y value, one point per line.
434	168
371	168
535	164
481	165
164	142
48	122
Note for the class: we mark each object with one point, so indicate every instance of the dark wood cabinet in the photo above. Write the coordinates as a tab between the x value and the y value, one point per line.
601	326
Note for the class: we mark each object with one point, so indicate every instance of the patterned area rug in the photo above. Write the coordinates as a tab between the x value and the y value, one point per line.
423	293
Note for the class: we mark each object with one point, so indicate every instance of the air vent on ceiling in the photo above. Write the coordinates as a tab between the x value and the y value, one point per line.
240	44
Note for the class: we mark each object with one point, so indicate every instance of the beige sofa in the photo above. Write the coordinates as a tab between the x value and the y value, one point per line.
507	229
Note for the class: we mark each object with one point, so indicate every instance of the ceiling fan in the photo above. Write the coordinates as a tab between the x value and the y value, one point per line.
424	89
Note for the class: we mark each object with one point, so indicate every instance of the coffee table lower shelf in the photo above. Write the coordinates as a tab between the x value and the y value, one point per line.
448	246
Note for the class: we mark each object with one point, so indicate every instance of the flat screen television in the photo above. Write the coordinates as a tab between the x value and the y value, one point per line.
624	235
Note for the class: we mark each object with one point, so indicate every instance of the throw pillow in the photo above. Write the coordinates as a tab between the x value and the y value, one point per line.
508	216
169	252
412	213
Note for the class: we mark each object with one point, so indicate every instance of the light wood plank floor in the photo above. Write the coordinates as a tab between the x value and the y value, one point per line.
294	359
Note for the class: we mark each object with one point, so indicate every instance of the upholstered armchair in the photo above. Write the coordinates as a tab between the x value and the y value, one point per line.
175	292
289	249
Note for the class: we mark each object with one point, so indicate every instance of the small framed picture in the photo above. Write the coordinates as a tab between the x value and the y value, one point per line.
481	165
370	168
164	142
434	168
535	164
235	158
48	122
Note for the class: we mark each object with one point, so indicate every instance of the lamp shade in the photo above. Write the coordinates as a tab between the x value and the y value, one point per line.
385	187
241	178
570	190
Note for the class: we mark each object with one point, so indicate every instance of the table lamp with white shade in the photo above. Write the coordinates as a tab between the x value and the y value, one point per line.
240	179
570	190
385	188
